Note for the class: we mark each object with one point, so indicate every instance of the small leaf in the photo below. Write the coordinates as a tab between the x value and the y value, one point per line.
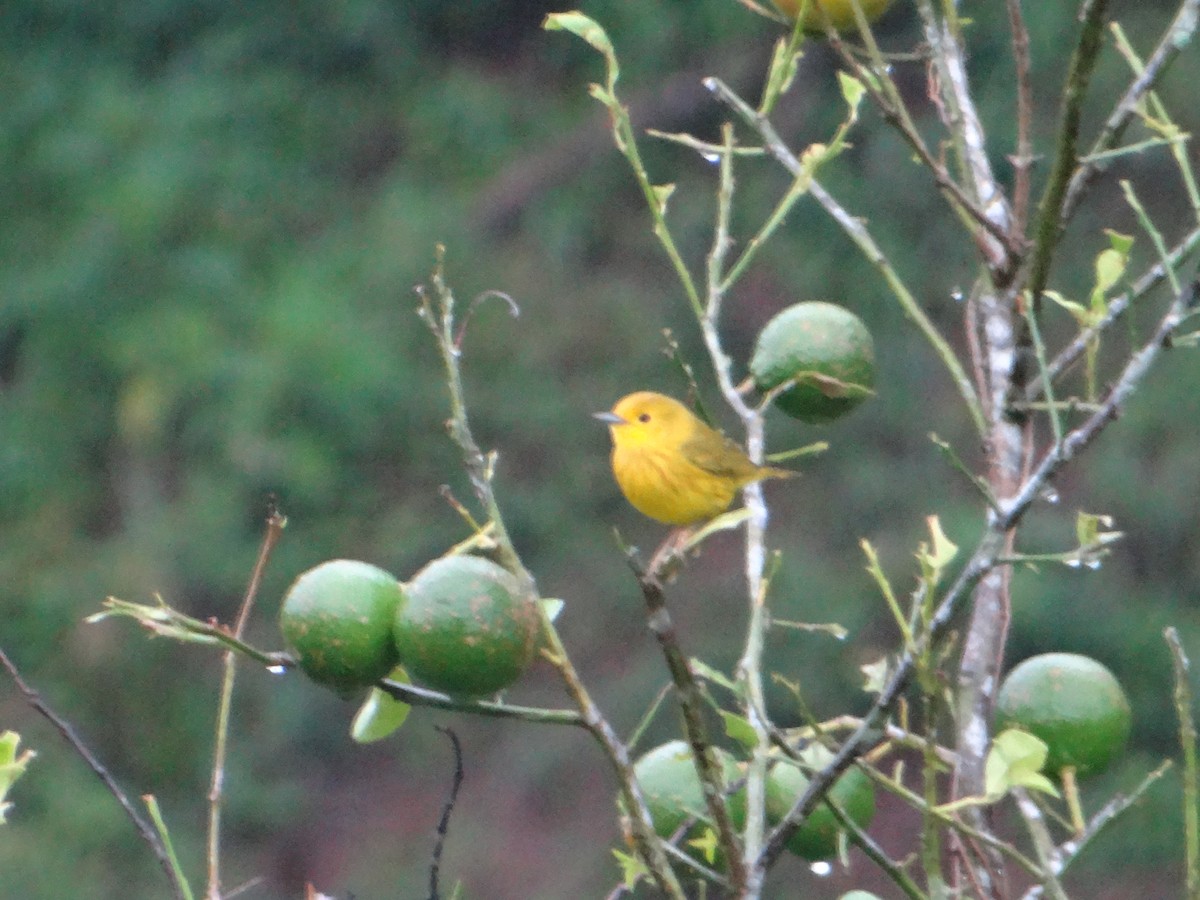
706	844
662	193
1016	759
1077	310
12	767
708	673
852	91
724	522
935	559
876	675
552	607
1122	243
381	713
632	868
1087	528
740	729
584	27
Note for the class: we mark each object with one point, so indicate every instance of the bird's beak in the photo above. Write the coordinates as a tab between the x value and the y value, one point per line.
609	418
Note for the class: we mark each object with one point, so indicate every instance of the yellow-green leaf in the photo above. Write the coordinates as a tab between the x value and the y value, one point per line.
1016	760
381	713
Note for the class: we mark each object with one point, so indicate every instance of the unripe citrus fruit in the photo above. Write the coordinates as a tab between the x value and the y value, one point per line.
673	793
829	353
817	838
337	618
466	628
840	12
1072	703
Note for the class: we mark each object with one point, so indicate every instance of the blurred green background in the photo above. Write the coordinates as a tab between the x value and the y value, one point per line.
214	215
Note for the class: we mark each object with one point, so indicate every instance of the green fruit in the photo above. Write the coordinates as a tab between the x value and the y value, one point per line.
1072	703
337	618
466	629
829	352
817	838
673	793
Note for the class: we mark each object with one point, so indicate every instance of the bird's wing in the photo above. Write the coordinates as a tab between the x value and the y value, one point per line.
718	455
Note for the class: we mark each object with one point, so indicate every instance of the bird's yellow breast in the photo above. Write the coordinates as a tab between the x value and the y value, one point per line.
666	487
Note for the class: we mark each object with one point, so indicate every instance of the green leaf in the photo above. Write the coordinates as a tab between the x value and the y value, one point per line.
587	28
935	557
706	844
876	675
381	713
12	767
740	729
1016	760
708	673
1077	310
632	868
662	193
852	91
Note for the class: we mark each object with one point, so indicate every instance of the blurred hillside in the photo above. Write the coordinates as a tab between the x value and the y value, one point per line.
214	216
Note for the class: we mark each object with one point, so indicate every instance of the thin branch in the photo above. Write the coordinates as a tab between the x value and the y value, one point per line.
1071	849
1023	159
1187	744
145	830
1053	206
1177	36
438	314
275	525
691	704
1117	307
444	823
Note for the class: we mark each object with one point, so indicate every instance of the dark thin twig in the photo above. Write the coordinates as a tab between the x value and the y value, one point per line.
68	732
691	704
444	824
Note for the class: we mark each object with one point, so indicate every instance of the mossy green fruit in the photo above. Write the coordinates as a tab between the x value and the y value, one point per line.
817	838
826	350
671	787
466	629
1072	703
840	13
337	618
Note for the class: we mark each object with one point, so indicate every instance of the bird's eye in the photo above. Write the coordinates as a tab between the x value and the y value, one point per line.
644	417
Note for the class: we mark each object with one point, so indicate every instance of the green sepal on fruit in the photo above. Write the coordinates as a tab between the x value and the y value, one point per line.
817	838
838	13
673	794
825	350
467	628
337	619
1074	704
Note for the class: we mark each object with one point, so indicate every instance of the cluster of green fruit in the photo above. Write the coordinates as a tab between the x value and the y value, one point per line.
462	625
674	796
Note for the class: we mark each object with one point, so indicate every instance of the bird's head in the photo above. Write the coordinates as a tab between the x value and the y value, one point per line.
648	419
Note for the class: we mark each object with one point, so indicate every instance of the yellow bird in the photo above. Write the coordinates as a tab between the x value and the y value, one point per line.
670	465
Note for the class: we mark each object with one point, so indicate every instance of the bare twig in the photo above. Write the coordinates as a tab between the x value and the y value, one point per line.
275	525
444	823
145	830
691	704
437	311
1177	36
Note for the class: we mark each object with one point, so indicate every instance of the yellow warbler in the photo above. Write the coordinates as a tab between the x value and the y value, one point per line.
670	465
840	12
